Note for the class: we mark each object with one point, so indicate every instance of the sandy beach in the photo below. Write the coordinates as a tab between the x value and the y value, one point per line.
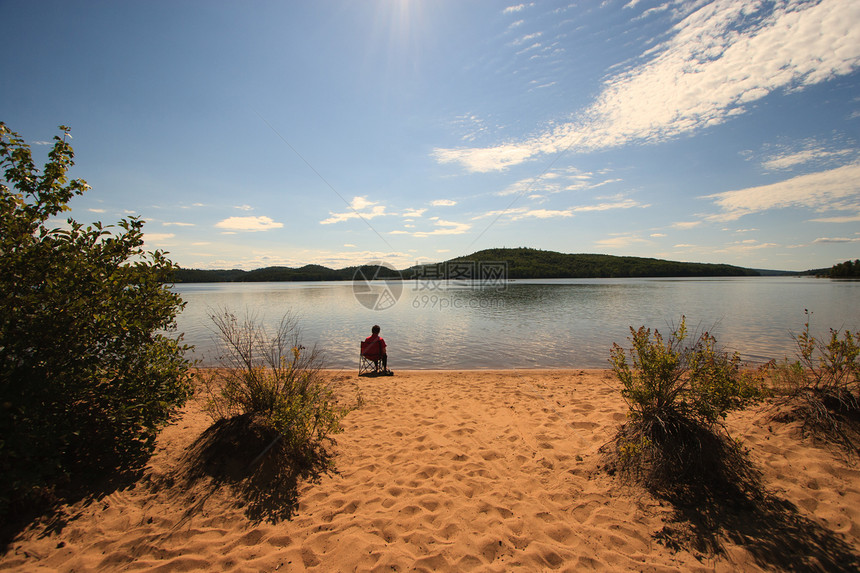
462	471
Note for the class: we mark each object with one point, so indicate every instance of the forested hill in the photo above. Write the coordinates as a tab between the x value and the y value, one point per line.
522	263
525	263
281	274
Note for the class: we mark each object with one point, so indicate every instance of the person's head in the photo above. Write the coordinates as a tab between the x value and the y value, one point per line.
375	329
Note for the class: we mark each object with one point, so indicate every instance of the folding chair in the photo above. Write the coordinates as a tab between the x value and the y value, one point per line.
369	358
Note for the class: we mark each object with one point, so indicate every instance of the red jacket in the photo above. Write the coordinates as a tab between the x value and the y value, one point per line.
373	347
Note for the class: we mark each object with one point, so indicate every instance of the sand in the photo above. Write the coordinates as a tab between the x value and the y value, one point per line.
463	471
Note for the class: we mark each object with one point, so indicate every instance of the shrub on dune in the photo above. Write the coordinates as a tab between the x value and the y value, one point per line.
678	393
270	378
822	386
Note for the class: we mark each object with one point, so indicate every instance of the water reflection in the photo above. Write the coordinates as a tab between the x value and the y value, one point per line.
531	324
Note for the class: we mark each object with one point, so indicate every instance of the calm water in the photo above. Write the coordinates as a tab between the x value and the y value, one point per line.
562	323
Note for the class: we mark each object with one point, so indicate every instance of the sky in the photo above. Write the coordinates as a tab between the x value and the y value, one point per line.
253	134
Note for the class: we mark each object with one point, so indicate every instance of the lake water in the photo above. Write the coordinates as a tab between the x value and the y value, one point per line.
561	323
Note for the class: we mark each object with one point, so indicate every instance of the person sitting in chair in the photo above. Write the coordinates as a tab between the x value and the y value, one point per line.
374	348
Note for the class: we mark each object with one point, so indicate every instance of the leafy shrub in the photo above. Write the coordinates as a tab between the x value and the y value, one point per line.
275	379
823	384
678	395
87	372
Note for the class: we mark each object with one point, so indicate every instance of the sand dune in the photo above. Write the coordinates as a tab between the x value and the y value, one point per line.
461	471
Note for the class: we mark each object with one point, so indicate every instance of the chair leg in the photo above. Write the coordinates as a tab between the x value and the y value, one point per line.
366	366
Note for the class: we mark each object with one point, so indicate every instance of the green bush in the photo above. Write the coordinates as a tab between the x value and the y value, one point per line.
823	383
87	372
271	376
678	394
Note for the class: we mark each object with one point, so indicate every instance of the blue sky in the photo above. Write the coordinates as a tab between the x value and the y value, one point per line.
250	134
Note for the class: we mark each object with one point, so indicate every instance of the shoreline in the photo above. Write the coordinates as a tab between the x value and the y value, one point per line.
457	470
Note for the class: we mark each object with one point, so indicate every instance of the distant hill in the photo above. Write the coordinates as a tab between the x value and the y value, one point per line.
525	263
519	263
847	270
280	274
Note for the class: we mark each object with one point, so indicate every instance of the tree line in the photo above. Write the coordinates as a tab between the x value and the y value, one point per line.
518	263
847	270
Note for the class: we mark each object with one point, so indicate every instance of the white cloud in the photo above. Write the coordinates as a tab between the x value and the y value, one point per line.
657	235
377	211
789	160
805	151
243	207
836	189
556	182
745	246
262	223
96	210
718	60
471	125
157	237
413	212
846	219
178	224
654	10
358	206
543	214
625	204
444	228
484	160
58	224
443	203
686	224
510	211
527	38
518	213
837	240
582	185
620	241
359	203
513	9
710	69
546	183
